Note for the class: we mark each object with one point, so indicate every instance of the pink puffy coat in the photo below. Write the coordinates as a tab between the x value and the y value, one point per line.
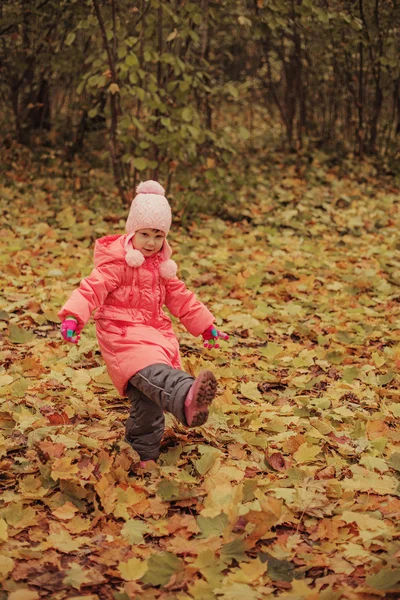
132	329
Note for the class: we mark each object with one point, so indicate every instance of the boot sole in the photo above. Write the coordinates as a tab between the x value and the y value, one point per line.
204	393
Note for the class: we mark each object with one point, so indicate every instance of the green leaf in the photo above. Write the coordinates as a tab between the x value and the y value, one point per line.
387	378
209	456
323	15
272	350
171	457
344	337
70	38
133	531
20	386
18	335
394	461
350	374
278	570
124	123
133	78
4	316
335	357
195	132
244	21
172	35
386	579
187	114
262	311
168	490
132	60
92	81
329	594
160	568
122	51
197	19
140	163
121	596
254	281
233	551
244	133
210	526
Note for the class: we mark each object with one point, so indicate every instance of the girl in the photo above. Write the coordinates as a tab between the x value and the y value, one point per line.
132	279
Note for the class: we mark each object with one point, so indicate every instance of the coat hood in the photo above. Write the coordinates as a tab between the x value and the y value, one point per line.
109	249
112	248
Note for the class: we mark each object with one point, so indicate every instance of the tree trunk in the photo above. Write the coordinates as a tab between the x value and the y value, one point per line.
360	104
14	95
378	90
114	96
139	102
299	72
39	116
205	49
160	49
273	89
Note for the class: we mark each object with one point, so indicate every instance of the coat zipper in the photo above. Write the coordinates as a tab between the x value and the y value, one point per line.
154	276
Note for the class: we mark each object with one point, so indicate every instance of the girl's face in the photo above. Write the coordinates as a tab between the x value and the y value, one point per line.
148	241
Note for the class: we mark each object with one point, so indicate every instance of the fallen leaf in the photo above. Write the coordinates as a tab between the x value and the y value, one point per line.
76	576
276	461
160	568
65	512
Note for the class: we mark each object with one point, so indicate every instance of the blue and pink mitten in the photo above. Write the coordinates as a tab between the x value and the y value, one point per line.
211	336
69	330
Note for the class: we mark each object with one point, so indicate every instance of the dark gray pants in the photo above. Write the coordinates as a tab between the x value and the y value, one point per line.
152	391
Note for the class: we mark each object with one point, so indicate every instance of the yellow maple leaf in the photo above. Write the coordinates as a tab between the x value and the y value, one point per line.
364	521
3	531
78	524
306	453
23	594
365	481
106	490
5	380
250	390
61	540
76	576
113	88
65	512
247	572
224	497
133	569
126	499
63	469
6	566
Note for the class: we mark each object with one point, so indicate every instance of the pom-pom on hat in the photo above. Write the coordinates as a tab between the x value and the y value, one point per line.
149	210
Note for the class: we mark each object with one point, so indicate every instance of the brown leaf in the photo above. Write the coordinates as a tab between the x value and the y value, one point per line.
326	473
51	449
276	461
65	512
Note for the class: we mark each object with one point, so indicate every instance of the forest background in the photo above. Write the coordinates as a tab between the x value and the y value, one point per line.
275	127
173	85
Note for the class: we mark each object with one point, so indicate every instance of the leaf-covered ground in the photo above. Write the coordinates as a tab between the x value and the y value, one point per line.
291	489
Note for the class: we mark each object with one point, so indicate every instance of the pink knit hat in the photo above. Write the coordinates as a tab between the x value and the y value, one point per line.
150	210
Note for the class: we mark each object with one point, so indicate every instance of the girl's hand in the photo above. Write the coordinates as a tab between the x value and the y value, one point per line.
211	336
68	330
